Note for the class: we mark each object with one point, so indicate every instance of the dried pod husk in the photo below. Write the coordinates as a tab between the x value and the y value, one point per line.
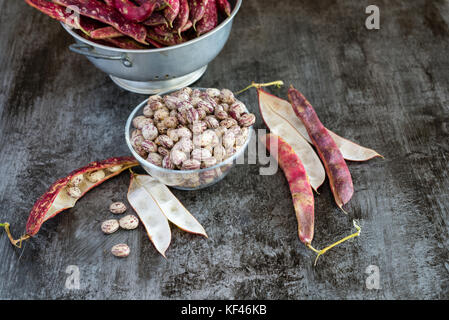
56	200
282	128
156	205
350	150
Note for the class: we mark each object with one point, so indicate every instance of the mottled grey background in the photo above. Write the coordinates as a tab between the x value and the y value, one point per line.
386	89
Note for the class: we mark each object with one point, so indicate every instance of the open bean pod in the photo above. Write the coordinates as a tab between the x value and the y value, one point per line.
65	192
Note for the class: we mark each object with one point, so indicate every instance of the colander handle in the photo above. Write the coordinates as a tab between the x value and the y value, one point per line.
89	51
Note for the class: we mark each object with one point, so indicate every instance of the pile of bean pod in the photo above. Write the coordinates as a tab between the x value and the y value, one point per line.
137	24
191	129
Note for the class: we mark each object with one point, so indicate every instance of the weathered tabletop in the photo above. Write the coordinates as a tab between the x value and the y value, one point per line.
386	89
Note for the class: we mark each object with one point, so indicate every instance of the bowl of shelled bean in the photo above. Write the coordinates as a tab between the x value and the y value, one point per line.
189	139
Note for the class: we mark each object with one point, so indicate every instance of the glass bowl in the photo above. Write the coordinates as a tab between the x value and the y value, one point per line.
183	179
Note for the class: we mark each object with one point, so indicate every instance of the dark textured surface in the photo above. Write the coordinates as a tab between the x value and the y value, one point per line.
386	89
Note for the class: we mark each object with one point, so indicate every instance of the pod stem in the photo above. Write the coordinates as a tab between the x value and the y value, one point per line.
323	251
17	243
278	84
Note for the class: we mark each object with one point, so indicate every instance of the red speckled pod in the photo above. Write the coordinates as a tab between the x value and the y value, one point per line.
209	20
224	6
197	10
105	33
171	11
135	13
155	43
125	43
169	39
164	31
102	12
156	19
183	16
56	198
160	4
298	182
339	176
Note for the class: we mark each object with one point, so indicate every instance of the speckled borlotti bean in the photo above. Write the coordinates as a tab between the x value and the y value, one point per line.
191	164
129	222
117	207
167	162
208	162
74	192
172	102
213	92
95	176
120	250
148	112
77	180
110	226
228	139
227	96
155	159
177	157
140	121
247	120
149	132
192	119
148	146
199	154
114	168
